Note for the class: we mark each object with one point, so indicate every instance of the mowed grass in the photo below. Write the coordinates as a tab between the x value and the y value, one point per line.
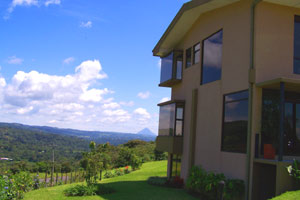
295	195
131	186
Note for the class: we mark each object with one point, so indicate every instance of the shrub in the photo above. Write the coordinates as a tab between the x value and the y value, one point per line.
109	174
90	190
135	162
294	171
207	184
175	182
156	180
126	170
119	172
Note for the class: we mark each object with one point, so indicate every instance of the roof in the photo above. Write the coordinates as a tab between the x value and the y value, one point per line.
187	16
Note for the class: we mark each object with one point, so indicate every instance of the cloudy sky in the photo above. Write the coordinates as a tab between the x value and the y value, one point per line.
82	64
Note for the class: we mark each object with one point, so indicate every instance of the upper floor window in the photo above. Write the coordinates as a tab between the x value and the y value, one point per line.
297	45
188	57
171	69
235	122
196	53
171	119
212	58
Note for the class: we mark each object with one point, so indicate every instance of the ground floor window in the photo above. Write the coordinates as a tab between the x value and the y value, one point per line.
175	165
235	122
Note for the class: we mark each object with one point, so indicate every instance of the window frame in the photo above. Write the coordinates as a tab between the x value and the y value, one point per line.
194	52
223	118
185	55
202	55
177	119
296	20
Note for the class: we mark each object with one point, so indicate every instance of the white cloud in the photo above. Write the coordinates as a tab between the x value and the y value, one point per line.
144	95
16	3
159	63
49	2
142	112
164	99
87	24
129	103
68	60
14	60
76	100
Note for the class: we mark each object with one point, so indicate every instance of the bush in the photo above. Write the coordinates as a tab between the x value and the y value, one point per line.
175	182
294	171
119	172
126	170
135	162
82	190
207	184
156	180
109	174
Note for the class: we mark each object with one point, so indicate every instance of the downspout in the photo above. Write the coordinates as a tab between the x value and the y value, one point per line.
250	102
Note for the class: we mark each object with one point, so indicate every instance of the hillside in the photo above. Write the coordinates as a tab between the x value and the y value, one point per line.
99	137
34	146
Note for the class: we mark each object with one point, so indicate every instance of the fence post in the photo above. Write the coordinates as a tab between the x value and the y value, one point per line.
46	173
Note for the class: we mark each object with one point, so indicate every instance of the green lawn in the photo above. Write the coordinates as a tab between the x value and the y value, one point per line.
131	186
289	196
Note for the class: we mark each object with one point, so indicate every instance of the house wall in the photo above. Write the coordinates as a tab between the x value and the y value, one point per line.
234	19
274	41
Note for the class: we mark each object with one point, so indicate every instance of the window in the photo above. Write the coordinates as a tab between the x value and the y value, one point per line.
212	58
297	45
235	122
196	52
175	165
188	57
171	68
171	119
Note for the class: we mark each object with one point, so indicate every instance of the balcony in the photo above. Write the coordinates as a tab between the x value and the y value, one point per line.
171	69
170	134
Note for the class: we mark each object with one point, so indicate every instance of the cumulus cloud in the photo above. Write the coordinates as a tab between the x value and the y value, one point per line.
142	112
49	2
74	100
68	60
14	60
16	3
164	99
144	95
87	24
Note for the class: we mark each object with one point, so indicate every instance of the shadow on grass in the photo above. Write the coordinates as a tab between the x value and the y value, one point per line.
141	190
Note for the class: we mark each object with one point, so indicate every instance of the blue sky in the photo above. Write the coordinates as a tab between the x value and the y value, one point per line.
82	64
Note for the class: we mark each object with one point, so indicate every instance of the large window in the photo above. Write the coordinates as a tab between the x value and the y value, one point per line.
235	122
175	165
188	57
196	53
271	121
212	58
171	119
297	45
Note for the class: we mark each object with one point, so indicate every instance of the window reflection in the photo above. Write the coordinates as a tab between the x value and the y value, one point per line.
235	122
297	45
188	57
196	51
166	68
212	58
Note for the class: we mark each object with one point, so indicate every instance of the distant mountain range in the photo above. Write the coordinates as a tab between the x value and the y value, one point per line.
99	137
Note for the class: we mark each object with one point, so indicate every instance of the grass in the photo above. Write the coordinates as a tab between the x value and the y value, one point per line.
295	195
130	186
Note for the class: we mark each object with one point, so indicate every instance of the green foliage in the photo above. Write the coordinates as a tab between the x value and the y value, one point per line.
294	171
207	184
159	155
14	186
90	190
135	162
109	174
157	180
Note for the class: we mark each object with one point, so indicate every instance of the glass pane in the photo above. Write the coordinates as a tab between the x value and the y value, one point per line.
173	166
166	68
196	53
212	58
179	67
236	96
298	121
179	113
288	129
179	128
235	126
188	57
297	45
166	120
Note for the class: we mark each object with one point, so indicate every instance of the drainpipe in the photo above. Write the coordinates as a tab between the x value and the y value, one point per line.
250	104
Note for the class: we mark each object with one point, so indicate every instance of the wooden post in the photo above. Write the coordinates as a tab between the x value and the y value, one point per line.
66	178
56	180
71	180
46	178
